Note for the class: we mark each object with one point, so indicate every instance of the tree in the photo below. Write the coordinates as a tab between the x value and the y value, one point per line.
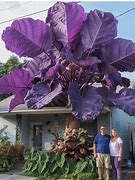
6	68
72	52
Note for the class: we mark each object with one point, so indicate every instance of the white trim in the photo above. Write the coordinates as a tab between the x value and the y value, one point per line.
48	110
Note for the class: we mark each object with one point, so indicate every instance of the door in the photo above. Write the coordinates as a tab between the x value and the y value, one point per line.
37	136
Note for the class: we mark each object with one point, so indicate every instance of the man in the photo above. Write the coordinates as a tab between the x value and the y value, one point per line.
102	152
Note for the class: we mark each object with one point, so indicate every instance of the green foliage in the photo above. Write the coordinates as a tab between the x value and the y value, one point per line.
12	62
86	176
75	143
5	68
9	152
56	165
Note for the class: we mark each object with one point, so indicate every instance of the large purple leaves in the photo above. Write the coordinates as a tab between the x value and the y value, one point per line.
99	27
27	37
86	106
125	100
39	64
35	94
121	54
66	20
18	82
41	95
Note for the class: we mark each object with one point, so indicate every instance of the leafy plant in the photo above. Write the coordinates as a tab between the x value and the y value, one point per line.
75	143
18	148
51	164
73	62
10	153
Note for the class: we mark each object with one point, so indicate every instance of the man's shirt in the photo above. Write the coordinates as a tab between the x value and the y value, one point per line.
102	143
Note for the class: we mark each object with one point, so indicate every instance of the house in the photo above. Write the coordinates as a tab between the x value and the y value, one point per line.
34	127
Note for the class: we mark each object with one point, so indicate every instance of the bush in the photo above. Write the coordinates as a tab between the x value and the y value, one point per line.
74	144
18	150
50	164
9	153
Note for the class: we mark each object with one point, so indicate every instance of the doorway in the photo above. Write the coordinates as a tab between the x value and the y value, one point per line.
37	136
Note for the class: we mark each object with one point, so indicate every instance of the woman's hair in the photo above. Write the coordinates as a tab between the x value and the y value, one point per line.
115	130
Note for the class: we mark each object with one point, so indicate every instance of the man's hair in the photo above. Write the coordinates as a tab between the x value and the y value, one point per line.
103	126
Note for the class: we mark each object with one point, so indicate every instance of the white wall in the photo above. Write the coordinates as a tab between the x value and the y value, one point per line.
10	121
29	120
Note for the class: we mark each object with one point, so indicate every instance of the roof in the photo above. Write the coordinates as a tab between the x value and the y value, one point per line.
22	109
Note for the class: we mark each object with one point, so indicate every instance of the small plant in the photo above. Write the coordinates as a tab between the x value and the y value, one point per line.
75	143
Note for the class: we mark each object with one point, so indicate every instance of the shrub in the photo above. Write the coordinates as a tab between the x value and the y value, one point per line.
75	143
18	150
9	152
50	164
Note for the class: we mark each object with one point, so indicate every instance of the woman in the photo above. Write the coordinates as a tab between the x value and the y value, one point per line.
116	146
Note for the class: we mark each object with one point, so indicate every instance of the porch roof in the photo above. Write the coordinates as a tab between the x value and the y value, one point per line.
22	109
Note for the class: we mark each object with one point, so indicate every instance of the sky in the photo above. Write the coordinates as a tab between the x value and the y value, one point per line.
13	9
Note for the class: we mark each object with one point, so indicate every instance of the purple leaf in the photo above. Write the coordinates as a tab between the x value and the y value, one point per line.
52	72
106	94
120	53
114	78
86	106
15	82
66	20
39	64
125	100
98	28
87	63
36	93
18	82
27	37
18	99
105	68
44	97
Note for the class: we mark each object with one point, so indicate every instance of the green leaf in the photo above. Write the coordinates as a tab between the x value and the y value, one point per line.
80	167
45	163
60	160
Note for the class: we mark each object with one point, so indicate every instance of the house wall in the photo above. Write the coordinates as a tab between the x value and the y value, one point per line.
25	129
10	121
49	122
53	125
123	123
103	119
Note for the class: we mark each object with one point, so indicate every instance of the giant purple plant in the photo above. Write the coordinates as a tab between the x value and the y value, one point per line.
70	52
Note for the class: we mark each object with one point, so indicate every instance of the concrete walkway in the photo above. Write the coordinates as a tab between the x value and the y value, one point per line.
15	174
15	177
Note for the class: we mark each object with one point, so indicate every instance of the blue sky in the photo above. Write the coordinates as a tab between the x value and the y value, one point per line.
126	25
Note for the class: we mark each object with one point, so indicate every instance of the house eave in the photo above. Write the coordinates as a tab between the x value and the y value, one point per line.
48	110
